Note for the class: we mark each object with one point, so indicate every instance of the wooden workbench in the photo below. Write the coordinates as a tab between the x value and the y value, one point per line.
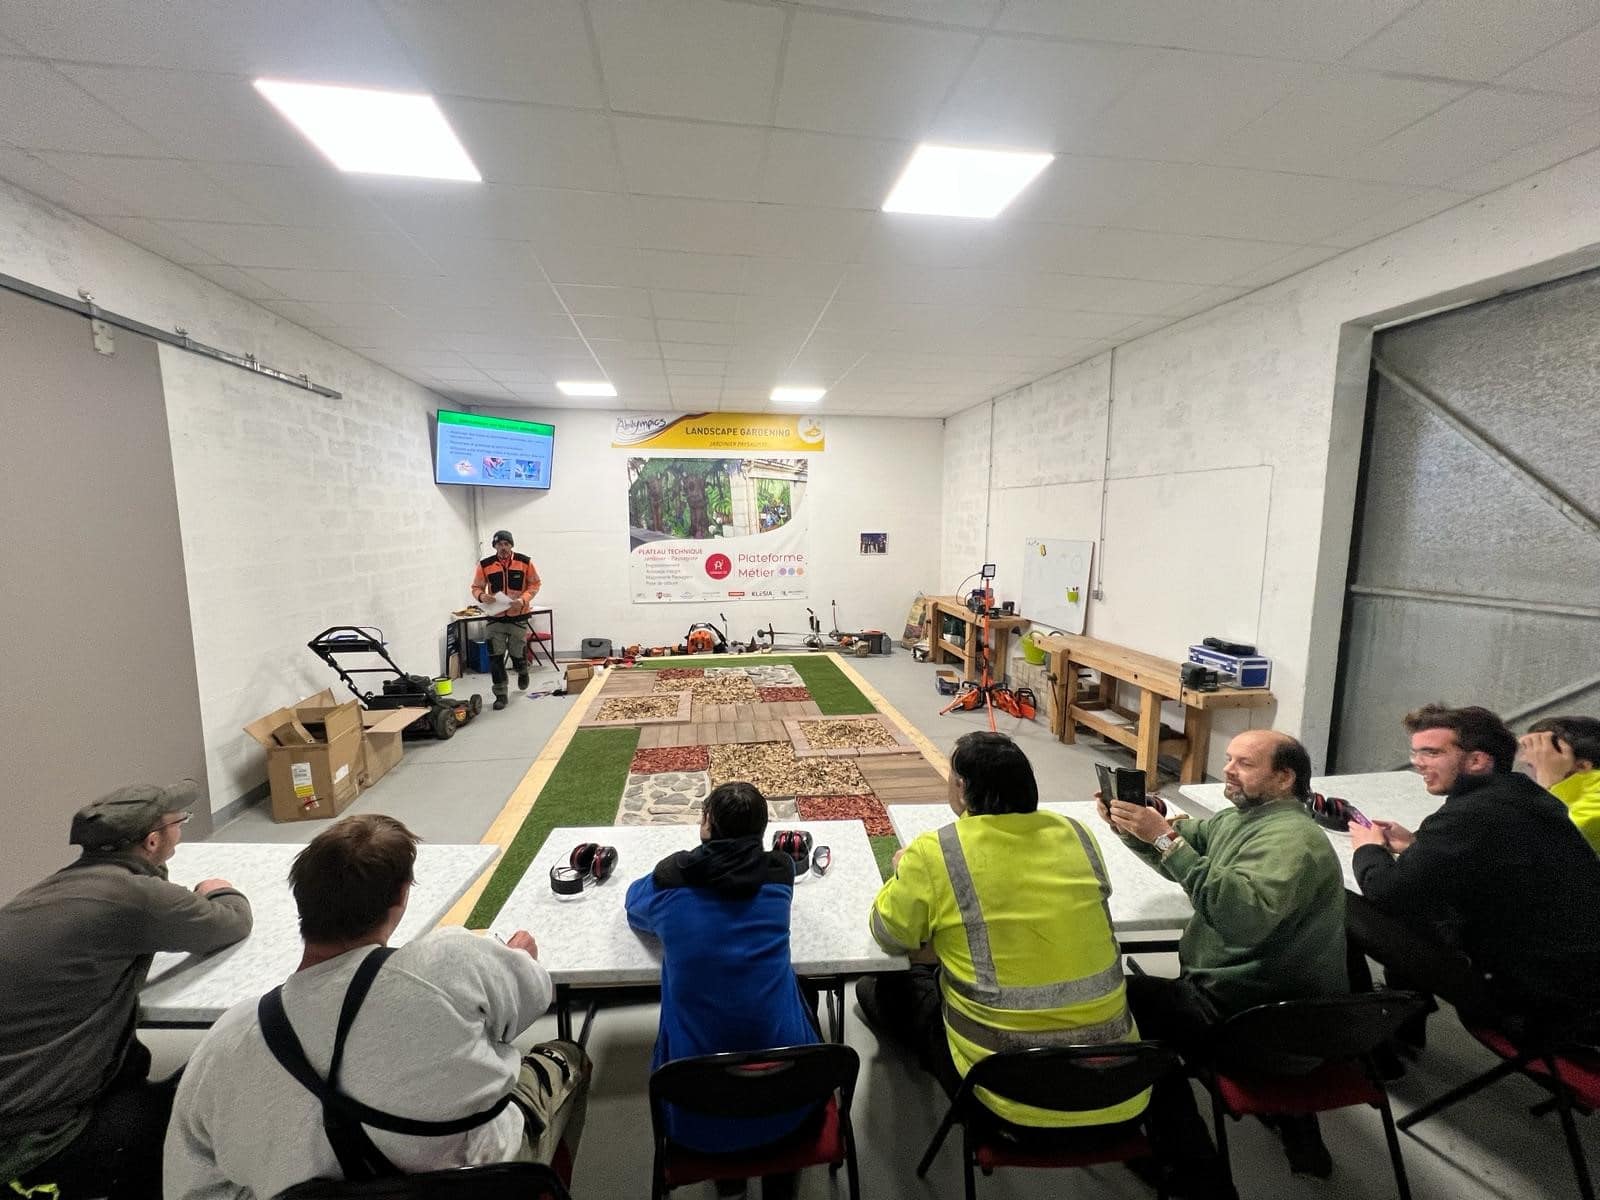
942	649
1156	679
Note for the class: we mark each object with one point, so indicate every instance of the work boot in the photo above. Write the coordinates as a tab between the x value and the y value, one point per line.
522	678
499	701
1302	1145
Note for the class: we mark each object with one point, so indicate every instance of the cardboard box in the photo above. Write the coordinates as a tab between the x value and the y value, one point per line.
382	747
578	677
317	779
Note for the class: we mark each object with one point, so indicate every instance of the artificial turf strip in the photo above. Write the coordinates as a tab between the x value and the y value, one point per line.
883	848
582	790
832	690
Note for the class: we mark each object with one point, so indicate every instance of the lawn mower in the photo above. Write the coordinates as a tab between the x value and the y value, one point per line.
445	713
766	640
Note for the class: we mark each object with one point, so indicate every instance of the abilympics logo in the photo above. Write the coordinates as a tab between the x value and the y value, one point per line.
719	566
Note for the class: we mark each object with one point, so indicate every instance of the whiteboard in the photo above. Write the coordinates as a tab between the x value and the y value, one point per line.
1054	570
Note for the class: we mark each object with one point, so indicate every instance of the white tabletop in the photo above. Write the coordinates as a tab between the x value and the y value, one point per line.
1387	795
191	989
1141	897
586	940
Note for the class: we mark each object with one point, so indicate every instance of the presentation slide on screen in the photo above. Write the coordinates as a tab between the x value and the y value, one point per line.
493	451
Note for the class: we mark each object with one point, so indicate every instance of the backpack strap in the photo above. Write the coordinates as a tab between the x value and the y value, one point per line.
342	1115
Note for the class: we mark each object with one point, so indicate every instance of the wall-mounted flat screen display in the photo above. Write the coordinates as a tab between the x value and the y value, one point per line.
492	451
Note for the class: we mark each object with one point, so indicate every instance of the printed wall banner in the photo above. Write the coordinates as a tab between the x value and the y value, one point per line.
742	432
719	529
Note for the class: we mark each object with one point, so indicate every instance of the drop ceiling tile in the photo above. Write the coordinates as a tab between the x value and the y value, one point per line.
1304	29
151	187
586	301
597	266
976	13
1580	138
809	234
46	111
634	328
197	115
716	333
1035	95
240	283
695	226
32	174
686	158
843	75
1082	293
698	352
311	249
1416	207
500	49
1085	190
692	272
1472	132
1293	263
831	169
689	58
535	144
791	278
542	216
916	239
169	243
1568	66
1472	39
311	196
1034	322
1350	111
693	306
1169	257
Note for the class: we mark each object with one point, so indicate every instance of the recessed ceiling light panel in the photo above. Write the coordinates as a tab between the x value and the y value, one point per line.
368	132
797	395
951	181
571	387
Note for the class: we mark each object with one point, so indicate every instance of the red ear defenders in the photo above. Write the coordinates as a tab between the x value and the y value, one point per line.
1333	813
588	860
796	843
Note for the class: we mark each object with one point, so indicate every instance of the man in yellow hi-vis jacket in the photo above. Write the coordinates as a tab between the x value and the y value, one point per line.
1012	904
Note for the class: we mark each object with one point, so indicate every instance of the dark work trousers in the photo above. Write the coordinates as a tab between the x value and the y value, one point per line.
777	1187
118	1154
1413	960
1182	1015
906	1009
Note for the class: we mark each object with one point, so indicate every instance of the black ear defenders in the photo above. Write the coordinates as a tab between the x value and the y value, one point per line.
796	843
588	860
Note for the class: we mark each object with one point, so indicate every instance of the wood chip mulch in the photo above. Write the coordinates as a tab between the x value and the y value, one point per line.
721	688
670	758
631	708
836	735
782	695
680	673
774	769
866	809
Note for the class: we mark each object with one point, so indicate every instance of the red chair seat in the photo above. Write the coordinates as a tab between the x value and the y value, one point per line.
1332	1085
1005	1153
538	635
1578	1069
690	1166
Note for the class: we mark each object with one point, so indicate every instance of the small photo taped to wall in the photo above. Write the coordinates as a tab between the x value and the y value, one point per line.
874	543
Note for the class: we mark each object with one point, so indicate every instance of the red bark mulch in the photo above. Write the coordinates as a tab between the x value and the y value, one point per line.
781	695
867	809
670	758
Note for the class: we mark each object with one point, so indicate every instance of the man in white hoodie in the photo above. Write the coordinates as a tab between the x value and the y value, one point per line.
417	1041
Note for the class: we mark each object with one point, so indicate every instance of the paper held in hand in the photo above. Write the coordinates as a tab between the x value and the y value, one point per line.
496	605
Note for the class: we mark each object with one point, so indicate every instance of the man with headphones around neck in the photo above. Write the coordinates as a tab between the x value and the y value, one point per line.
505	572
721	912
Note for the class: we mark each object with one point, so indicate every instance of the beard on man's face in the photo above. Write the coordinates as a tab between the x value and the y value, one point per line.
1240	798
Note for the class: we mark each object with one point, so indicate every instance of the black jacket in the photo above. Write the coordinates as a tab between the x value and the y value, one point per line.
1502	864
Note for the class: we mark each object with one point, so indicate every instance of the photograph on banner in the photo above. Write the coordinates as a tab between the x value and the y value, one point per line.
717	529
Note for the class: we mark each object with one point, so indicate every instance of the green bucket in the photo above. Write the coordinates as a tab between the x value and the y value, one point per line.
1031	653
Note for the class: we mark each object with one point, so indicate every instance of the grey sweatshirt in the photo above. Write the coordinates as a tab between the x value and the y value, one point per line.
74	951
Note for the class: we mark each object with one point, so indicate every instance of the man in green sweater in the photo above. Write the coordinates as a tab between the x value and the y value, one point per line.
1268	919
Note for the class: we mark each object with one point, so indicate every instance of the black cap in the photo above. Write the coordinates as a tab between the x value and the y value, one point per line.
129	814
502	535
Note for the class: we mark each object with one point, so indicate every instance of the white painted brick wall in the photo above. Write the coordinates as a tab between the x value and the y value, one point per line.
297	511
877	475
1264	387
966	495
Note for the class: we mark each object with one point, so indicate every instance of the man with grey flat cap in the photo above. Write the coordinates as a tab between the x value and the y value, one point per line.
77	1108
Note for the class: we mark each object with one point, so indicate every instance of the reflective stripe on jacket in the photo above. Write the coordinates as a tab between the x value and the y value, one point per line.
1015	907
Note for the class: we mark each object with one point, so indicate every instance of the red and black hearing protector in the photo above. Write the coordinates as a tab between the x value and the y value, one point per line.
796	843
594	860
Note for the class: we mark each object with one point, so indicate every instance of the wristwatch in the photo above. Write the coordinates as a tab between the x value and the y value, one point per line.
1164	844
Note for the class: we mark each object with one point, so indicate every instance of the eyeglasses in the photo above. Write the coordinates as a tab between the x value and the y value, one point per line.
182	819
1431	753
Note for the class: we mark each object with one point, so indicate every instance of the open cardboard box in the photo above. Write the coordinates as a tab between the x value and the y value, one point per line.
314	756
380	736
578	676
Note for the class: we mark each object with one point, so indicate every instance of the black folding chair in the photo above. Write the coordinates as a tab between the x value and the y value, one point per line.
491	1181
758	1083
1064	1078
1301	1057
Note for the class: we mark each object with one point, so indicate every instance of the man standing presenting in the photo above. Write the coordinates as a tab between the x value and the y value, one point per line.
508	573
1268	920
1500	872
76	1107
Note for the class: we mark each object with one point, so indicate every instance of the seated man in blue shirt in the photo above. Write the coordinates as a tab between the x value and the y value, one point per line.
722	914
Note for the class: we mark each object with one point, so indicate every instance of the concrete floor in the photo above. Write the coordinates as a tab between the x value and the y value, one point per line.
1487	1147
